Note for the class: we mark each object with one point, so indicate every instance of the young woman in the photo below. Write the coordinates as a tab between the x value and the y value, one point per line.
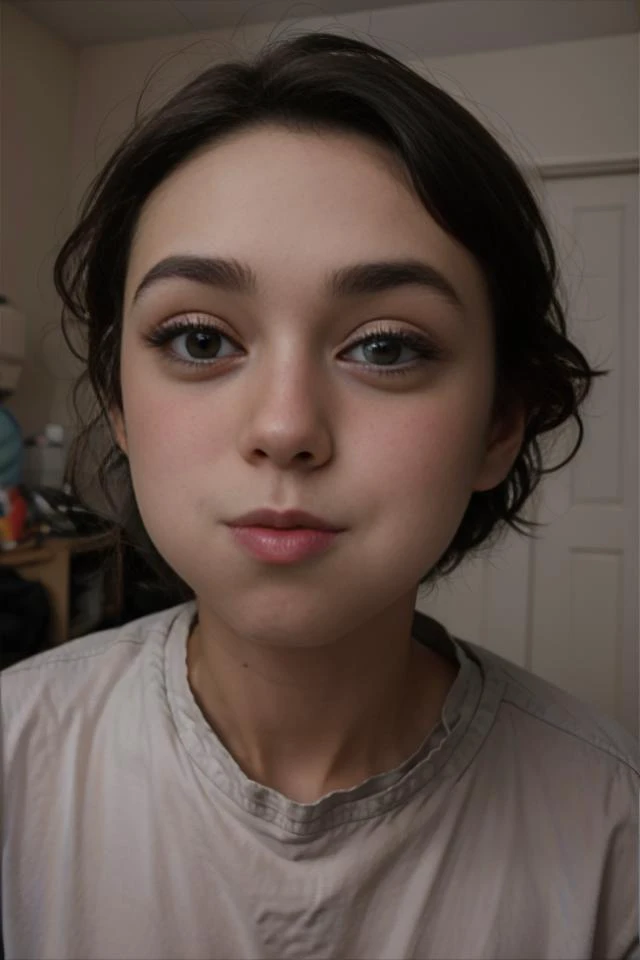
324	334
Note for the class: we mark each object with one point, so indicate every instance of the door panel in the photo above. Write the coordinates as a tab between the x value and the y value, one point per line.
565	605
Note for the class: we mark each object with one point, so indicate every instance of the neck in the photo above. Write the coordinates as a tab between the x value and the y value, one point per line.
310	720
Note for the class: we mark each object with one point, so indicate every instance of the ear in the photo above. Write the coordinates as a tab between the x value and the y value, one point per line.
118	429
504	441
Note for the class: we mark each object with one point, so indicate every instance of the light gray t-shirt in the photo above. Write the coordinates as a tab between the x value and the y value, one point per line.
128	831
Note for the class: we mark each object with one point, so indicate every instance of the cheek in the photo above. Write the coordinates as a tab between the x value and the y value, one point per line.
176	465
413	475
173	457
435	446
167	437
166	421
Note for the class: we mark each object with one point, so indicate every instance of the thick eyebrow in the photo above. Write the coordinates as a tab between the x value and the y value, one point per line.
354	280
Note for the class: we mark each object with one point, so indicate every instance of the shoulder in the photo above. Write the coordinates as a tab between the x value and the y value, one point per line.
575	774
553	727
79	673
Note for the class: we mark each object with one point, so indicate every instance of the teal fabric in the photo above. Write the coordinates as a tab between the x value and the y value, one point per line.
11	450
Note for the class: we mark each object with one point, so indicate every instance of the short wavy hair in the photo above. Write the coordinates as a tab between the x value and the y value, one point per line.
466	181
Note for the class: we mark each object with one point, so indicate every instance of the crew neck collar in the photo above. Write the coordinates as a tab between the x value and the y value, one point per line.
438	756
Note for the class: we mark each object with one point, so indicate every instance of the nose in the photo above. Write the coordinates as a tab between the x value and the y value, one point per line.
286	414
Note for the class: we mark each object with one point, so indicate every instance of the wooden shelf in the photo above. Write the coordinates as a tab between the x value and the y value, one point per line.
50	564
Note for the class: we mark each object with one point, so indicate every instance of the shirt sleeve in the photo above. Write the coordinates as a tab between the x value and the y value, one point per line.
618	919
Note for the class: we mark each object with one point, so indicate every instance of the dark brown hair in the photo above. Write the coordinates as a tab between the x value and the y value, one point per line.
467	183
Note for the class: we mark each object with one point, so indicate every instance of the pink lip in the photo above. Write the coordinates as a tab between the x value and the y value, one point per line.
283	546
287	519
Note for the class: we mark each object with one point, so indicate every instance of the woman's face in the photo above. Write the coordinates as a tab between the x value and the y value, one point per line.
279	406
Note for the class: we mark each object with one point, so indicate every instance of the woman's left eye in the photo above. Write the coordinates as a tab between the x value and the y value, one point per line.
198	345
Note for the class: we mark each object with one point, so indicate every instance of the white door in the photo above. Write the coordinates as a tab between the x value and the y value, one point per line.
565	605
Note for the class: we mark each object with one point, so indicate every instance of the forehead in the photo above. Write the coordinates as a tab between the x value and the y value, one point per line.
295	206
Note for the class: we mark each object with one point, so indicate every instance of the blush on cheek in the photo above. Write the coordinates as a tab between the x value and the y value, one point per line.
159	436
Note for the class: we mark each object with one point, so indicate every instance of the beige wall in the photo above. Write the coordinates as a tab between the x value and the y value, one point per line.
548	103
38	76
557	102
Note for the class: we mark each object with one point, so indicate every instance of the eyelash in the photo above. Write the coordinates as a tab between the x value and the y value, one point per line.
426	351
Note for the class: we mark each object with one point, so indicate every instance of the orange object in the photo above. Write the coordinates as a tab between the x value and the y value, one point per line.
13	517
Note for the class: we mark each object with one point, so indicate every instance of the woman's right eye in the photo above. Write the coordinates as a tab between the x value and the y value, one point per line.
198	344
194	344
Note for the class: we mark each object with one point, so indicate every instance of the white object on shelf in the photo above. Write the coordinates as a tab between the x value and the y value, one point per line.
45	460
